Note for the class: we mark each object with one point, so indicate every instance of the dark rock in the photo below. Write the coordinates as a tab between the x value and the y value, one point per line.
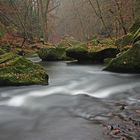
103	54
78	52
128	62
97	54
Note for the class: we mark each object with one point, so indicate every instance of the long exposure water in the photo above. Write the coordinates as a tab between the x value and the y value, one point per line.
63	109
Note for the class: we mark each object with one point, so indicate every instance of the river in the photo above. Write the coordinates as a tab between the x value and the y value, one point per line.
66	108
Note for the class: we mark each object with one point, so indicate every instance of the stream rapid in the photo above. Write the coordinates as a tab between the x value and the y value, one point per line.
71	107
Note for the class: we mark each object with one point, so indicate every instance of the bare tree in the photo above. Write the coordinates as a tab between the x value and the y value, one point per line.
99	14
120	19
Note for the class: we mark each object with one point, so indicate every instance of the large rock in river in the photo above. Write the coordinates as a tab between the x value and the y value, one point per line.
100	55
97	54
78	52
52	54
128	61
17	71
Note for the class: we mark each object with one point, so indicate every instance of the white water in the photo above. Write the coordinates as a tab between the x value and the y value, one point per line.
54	112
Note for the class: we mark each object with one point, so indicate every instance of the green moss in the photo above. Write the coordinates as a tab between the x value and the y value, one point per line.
132	36
107	60
78	52
94	41
52	54
6	57
96	54
108	42
19	71
128	61
125	40
1	51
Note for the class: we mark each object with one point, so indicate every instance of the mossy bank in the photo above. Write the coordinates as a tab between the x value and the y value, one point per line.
126	62
57	52
17	71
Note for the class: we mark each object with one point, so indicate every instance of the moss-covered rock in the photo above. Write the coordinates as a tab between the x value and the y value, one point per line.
17	71
53	54
78	52
100	55
105	48
128	61
84	52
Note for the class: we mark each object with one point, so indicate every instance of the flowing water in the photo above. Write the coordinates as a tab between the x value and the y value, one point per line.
66	108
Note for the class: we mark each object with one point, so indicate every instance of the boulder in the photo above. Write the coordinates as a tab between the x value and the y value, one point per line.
128	62
100	55
17	71
52	54
78	52
95	54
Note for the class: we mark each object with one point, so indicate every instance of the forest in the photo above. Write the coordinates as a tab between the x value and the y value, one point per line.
69	69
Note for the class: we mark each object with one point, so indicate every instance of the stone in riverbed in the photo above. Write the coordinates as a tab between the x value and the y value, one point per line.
101	55
78	52
53	54
17	71
128	62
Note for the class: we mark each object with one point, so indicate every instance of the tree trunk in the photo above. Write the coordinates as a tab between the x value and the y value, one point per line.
100	15
43	10
42	20
121	19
